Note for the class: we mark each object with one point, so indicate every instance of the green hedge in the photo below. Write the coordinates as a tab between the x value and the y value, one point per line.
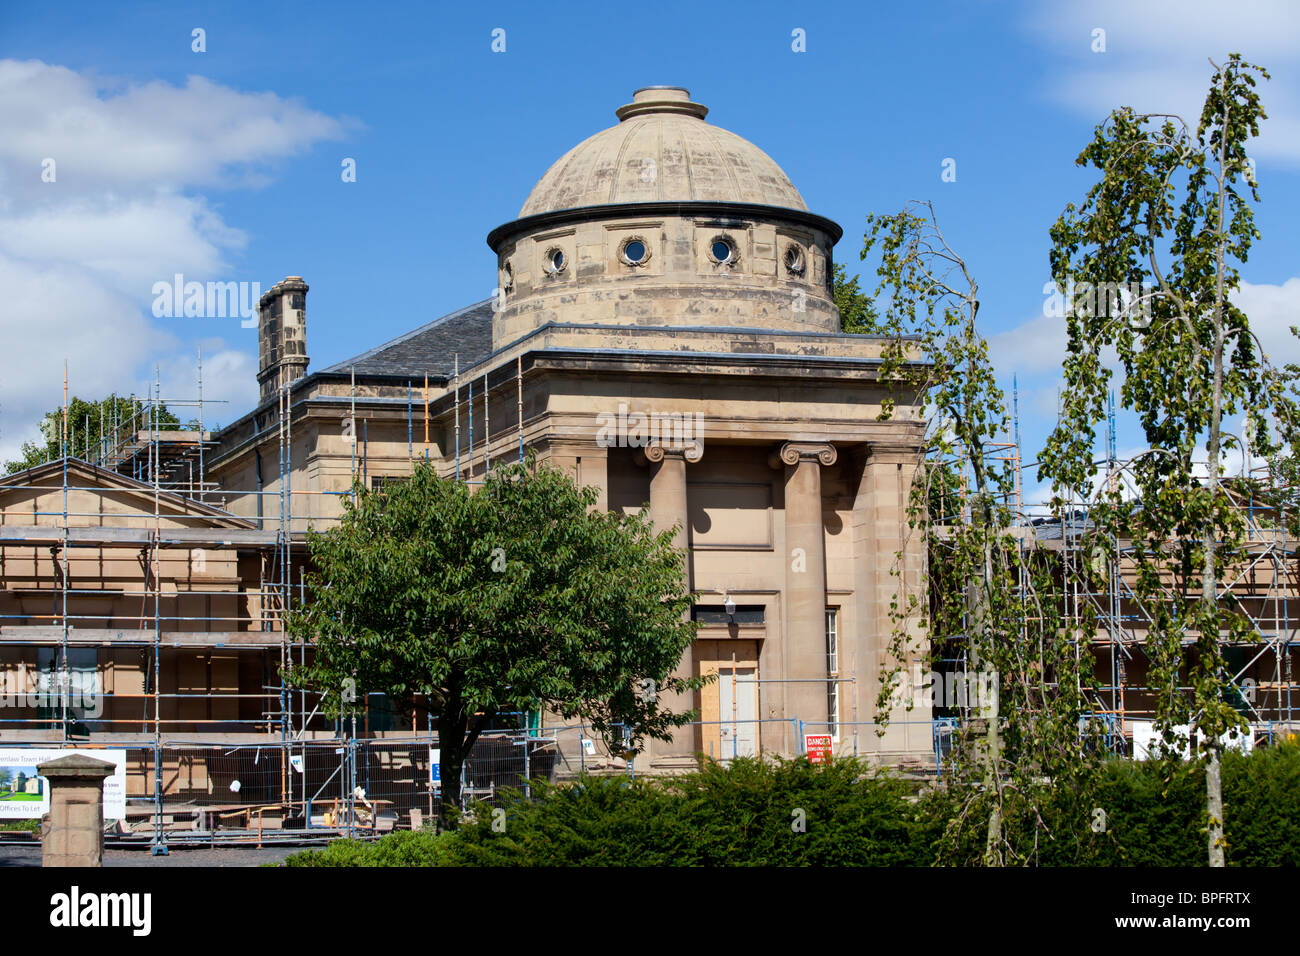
749	813
1154	821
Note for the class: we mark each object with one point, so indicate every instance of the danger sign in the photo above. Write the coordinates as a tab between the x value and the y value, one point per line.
817	747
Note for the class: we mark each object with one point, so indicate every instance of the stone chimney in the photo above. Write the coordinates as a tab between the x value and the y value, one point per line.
281	336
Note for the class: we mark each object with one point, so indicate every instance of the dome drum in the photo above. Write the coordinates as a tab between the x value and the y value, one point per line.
665	220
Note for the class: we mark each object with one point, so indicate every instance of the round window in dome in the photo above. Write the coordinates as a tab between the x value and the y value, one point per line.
556	261
635	252
723	251
794	260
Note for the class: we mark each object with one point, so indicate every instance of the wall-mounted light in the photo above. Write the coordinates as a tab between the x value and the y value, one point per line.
730	608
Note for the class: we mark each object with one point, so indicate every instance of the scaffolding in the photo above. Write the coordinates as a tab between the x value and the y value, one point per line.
207	756
1266	585
58	559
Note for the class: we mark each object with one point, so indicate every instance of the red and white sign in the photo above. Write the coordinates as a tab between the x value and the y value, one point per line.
817	747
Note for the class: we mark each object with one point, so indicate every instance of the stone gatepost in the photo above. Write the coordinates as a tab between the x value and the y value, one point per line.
73	834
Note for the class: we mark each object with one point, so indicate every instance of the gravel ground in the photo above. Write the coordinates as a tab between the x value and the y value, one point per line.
178	856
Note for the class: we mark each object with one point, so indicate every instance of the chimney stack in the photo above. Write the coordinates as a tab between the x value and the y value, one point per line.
281	336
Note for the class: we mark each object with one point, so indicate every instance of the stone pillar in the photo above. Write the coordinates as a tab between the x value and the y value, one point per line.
74	831
668	508
593	472
881	534
804	607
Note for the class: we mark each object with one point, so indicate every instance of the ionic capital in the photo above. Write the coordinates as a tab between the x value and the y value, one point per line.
793	452
690	451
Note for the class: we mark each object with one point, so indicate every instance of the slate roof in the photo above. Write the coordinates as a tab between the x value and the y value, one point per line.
431	348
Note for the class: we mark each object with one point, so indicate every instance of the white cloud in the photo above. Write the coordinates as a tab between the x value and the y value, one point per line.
79	255
229	382
1033	350
149	135
54	312
1157	58
1272	310
128	243
1030	348
1037	346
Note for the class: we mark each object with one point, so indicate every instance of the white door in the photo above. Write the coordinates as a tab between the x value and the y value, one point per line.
738	712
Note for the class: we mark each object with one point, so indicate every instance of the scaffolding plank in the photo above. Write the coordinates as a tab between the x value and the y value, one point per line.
42	536
51	634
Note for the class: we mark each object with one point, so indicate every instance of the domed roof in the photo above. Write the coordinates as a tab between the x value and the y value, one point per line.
662	150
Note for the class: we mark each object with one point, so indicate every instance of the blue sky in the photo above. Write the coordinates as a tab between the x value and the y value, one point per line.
225	165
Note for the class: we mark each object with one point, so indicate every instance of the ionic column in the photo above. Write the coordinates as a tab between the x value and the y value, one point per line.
805	579
668	492
668	509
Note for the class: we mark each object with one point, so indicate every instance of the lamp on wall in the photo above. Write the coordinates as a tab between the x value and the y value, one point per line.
730	608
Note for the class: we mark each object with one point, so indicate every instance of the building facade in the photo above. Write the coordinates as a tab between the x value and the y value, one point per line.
663	329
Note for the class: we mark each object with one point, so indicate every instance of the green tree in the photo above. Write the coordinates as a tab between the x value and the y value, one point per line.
857	312
511	597
990	600
92	429
1148	262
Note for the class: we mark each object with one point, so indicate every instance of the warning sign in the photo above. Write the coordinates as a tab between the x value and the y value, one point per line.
817	747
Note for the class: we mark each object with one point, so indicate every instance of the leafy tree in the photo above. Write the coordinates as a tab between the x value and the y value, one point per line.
1169	221
990	599
110	419
494	601
857	312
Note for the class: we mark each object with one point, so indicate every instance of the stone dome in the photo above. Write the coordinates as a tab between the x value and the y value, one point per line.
662	150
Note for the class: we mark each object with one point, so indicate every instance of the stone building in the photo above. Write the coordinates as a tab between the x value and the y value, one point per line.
664	329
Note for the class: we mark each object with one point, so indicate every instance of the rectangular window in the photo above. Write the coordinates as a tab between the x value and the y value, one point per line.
382	485
833	670
380	714
83	687
717	614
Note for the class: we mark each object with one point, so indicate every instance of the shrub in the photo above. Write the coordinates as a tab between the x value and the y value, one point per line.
1262	806
26	826
404	848
744	814
748	813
